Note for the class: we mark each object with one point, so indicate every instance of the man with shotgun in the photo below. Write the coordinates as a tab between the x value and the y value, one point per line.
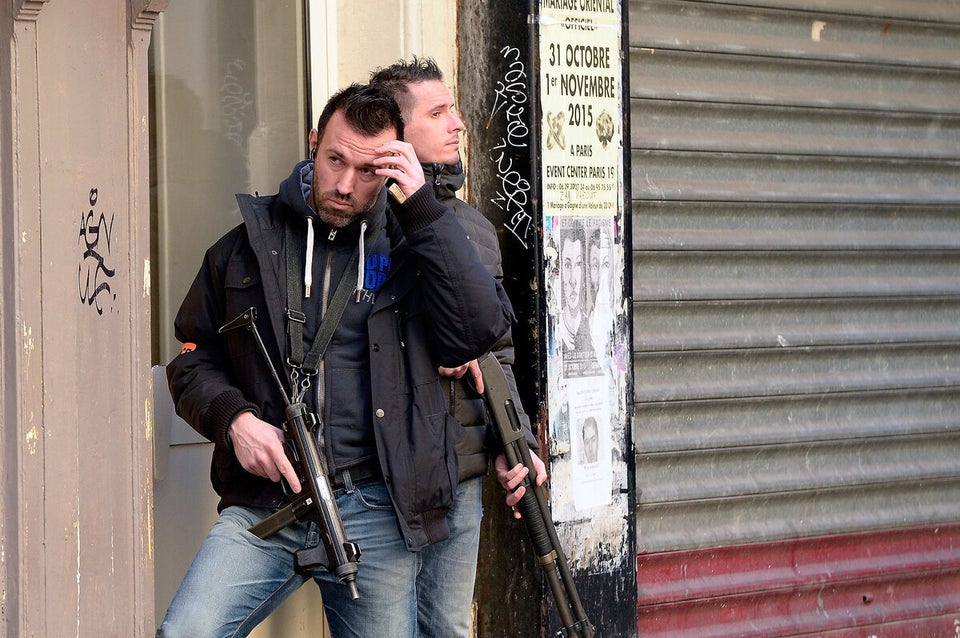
433	126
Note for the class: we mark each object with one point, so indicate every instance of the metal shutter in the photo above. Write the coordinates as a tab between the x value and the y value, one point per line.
796	267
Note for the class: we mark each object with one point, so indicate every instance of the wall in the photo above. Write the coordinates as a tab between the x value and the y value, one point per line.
76	546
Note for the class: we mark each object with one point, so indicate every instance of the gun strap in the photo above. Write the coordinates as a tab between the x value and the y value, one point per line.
310	363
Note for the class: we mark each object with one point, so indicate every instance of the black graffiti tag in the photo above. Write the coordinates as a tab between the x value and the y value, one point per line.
92	274
512	194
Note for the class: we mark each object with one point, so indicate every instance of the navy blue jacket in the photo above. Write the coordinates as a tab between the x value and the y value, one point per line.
437	305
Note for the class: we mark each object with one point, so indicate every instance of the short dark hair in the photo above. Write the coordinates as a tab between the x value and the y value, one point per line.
396	78
366	109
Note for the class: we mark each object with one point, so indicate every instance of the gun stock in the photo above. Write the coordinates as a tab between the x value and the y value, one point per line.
533	505
315	502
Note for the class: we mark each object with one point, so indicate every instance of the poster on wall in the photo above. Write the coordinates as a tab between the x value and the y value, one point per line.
585	362
582	167
580	99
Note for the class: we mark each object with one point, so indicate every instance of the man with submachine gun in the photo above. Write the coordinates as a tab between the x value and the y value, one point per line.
358	301
533	505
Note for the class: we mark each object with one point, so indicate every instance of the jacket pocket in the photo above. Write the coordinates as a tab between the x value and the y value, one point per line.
249	370
435	434
242	289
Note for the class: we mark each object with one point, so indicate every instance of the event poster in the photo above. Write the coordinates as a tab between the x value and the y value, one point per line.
580	96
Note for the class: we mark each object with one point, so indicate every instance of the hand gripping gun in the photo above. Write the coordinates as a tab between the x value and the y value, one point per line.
315	502
533	505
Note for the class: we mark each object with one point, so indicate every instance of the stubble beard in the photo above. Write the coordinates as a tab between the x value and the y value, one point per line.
339	218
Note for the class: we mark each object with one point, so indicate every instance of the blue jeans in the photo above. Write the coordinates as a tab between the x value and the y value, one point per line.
448	569
236	579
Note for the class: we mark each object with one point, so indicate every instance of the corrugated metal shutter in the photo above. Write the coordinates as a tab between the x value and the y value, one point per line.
796	266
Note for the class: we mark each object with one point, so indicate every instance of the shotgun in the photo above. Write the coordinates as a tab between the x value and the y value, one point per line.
533	504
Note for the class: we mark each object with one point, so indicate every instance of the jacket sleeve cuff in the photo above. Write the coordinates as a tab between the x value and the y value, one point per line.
419	210
221	413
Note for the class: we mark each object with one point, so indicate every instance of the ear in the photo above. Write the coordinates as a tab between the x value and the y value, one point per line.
313	141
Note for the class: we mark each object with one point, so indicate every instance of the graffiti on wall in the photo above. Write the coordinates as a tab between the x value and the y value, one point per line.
236	104
512	193
94	275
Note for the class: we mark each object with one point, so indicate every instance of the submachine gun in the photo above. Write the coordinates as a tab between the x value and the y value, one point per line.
315	502
533	504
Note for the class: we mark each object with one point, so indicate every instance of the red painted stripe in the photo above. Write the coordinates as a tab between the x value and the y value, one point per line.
802	586
936	627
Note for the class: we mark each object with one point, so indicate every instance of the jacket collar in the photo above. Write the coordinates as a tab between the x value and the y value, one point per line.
447	179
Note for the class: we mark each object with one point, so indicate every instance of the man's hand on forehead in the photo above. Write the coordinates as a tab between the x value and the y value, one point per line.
397	161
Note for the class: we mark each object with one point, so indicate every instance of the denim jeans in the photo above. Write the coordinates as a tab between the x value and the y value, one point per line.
448	569
236	579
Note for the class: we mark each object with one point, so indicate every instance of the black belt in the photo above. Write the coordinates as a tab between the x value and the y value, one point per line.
361	473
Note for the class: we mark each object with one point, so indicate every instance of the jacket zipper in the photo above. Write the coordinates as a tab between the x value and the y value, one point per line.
451	404
318	395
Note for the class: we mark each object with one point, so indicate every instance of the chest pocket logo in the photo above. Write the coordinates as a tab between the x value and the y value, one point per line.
375	271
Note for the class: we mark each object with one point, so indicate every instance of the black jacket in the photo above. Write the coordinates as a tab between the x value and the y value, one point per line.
465	405
437	306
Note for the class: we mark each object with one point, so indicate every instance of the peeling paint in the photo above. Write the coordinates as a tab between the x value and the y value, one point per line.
32	440
148	417
27	334
601	546
146	277
817	29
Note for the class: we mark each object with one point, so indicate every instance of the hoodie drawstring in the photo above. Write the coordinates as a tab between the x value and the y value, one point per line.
360	266
308	268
